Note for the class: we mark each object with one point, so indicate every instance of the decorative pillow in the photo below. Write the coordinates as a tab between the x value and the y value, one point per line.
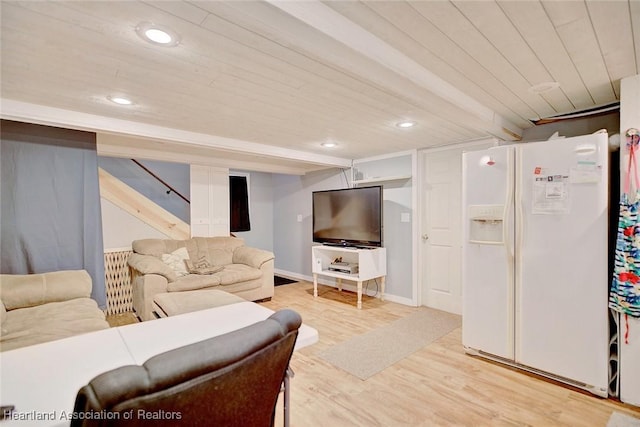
202	266
176	259
207	270
202	262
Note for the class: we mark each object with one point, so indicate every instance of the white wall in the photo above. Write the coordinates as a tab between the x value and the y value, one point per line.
119	228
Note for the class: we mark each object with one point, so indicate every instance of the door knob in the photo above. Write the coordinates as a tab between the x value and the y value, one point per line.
425	237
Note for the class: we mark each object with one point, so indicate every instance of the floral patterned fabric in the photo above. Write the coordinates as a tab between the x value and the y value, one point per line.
624	295
625	287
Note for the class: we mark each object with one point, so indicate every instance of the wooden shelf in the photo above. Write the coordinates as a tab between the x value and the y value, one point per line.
381	179
339	275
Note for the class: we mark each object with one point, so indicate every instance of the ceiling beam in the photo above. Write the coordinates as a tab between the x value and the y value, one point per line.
331	23
40	114
128	147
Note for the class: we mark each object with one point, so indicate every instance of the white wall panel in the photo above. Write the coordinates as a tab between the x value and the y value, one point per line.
119	228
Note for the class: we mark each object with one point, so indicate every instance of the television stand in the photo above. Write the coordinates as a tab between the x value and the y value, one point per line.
371	262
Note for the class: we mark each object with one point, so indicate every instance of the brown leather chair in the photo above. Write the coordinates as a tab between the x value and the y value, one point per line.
229	380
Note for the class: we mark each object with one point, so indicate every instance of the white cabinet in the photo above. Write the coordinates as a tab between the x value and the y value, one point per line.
372	264
209	201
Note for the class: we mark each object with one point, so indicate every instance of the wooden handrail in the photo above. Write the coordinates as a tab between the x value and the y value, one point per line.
171	189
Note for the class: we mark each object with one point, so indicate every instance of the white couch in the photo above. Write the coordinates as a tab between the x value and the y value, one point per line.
241	270
37	308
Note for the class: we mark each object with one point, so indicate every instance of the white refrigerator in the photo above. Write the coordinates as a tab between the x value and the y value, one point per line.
535	278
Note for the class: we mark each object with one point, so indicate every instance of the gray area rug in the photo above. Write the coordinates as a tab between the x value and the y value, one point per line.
369	353
618	419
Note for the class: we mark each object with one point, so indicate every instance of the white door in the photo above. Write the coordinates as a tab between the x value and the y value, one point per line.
488	251
441	210
562	280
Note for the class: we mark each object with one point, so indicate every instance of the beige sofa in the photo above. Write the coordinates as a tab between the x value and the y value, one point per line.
37	308
229	266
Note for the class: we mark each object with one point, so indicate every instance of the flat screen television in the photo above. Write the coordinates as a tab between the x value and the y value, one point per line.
348	217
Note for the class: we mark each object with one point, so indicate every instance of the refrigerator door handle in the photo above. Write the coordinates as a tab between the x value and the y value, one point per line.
511	251
519	241
519	226
506	235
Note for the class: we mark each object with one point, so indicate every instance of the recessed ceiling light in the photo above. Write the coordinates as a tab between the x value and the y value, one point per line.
329	144
406	124
157	34
120	100
544	87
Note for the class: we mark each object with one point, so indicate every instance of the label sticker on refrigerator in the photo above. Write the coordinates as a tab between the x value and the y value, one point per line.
550	194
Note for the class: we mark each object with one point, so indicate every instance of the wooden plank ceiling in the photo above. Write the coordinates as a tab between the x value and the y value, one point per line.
291	75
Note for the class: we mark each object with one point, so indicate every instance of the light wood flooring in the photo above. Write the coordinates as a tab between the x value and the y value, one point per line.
438	385
121	319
